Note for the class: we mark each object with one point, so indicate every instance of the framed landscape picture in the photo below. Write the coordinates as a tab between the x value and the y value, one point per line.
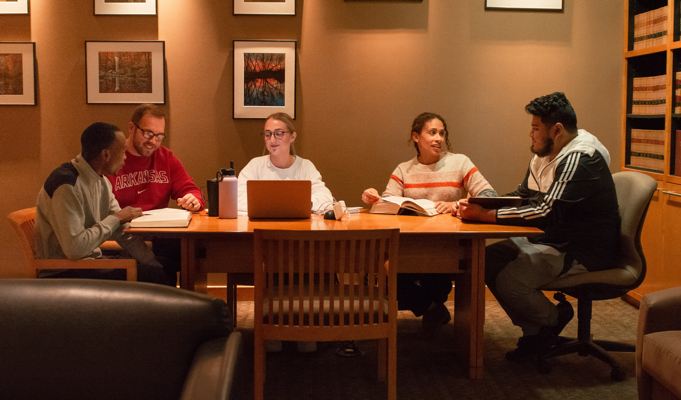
17	73
125	72
265	7
124	7
540	5
13	6
264	78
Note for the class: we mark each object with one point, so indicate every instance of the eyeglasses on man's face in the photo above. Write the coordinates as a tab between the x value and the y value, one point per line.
277	134
147	134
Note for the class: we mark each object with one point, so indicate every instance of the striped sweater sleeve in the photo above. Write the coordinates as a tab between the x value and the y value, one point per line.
395	186
569	185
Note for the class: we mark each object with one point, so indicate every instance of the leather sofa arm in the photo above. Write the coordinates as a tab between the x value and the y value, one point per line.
213	373
658	312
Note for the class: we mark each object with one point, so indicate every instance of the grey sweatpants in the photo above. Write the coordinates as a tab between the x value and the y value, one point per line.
514	270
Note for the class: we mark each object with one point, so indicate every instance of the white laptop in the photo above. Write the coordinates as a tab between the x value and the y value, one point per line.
279	199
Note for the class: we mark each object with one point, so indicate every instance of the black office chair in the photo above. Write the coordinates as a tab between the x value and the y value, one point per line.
634	191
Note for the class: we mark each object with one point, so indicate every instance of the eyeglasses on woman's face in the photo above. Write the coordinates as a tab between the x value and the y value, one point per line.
277	134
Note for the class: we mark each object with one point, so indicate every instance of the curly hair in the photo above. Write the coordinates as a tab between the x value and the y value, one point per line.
418	124
553	108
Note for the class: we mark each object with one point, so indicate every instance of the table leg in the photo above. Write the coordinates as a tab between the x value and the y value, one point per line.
190	277
188	263
469	308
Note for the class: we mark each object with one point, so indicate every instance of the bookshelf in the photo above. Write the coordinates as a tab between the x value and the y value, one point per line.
651	123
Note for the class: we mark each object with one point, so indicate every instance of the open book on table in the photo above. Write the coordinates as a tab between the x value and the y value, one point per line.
163	218
404	205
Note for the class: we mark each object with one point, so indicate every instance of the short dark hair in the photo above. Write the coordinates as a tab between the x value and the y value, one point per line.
147	108
95	138
553	108
421	120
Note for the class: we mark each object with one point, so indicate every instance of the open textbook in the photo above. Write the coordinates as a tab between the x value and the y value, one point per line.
403	205
163	218
497	202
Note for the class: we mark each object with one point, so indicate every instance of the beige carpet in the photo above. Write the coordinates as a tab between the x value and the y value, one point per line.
426	368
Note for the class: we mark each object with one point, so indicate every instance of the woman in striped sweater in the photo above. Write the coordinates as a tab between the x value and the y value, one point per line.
444	177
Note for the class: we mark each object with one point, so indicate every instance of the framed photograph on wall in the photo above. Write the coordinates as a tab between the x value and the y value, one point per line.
264	78
265	7
539	5
17	73
13	6
125	72
125	7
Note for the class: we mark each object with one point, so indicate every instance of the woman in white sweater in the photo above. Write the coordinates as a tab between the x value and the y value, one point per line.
281	162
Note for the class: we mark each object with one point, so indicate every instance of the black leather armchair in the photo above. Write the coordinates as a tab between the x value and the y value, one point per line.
91	339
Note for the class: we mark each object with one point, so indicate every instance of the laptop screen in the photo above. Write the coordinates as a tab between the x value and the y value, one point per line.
276	199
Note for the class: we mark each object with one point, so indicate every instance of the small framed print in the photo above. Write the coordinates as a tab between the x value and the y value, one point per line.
265	7
17	73
125	7
537	5
125	72
13	6
264	78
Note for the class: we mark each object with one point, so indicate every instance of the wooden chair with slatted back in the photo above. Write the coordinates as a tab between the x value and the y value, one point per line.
326	286
23	222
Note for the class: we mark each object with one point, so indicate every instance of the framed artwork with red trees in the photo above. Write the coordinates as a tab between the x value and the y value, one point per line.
264	78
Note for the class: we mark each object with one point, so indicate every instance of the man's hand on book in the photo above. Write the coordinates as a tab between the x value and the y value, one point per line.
474	212
189	202
128	213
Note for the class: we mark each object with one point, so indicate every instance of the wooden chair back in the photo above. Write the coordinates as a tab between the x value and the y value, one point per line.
23	222
326	286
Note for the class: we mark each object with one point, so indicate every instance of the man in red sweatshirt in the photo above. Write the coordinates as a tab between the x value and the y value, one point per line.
152	175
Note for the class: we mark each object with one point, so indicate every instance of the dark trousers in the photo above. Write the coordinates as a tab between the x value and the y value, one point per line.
416	292
167	252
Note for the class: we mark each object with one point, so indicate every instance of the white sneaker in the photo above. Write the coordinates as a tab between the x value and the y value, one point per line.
306	347
273	346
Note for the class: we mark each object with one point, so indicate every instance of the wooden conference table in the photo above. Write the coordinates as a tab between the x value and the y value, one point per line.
440	244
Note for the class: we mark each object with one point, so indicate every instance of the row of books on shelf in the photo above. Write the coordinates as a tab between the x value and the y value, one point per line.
650	28
646	150
648	95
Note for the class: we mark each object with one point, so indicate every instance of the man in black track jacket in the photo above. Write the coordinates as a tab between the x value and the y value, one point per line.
571	197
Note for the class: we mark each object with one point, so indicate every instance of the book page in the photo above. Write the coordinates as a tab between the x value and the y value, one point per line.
396	199
421	206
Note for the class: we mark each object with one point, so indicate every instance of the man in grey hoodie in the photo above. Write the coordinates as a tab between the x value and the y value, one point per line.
77	211
571	197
